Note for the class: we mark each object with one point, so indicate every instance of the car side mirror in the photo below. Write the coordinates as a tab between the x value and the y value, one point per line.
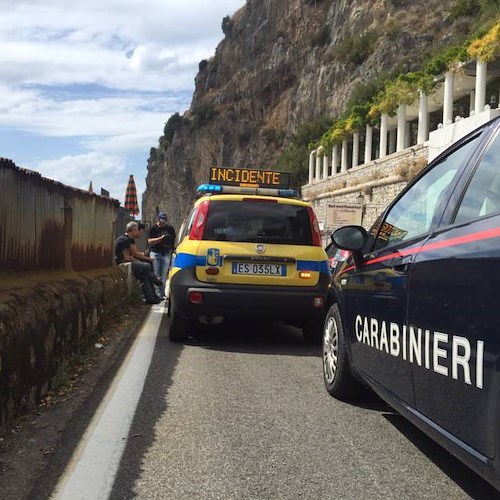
352	238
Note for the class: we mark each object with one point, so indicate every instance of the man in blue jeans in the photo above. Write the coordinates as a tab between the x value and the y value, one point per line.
162	241
141	269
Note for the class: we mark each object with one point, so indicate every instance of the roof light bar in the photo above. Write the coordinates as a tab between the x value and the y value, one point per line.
209	188
218	188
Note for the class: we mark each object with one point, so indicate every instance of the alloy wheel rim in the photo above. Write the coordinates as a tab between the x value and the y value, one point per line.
330	350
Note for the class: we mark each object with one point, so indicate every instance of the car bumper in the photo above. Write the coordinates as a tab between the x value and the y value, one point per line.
247	301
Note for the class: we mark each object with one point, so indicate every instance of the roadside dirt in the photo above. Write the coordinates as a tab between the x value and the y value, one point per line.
30	444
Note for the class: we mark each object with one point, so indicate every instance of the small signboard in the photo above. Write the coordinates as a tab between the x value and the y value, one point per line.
343	214
389	232
249	177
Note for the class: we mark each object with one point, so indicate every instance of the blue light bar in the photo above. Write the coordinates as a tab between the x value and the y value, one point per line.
209	189
288	193
218	188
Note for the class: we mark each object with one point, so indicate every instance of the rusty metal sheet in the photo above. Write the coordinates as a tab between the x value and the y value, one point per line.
45	225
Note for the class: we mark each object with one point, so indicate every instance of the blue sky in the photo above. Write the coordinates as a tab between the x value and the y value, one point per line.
85	91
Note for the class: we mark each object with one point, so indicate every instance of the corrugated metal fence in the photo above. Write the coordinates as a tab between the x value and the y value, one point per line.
45	225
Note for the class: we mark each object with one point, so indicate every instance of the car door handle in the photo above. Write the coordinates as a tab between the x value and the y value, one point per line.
403	266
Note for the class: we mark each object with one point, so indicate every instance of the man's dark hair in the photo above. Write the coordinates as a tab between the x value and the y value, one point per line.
141	225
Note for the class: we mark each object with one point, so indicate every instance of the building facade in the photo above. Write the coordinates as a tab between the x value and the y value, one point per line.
356	180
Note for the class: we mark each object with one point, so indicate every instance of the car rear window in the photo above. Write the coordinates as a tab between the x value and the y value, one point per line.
259	222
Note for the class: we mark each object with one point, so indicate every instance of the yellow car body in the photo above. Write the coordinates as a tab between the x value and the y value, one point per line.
271	266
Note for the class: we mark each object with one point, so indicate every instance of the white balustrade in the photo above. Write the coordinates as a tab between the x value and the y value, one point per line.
355	149
449	80
343	160
400	145
480	100
383	135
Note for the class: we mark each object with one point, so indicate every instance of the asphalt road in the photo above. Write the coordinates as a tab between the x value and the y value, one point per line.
240	412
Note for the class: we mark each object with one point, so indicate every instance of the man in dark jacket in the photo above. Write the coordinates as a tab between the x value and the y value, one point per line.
142	270
162	241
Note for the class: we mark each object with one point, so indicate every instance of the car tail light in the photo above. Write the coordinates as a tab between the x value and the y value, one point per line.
316	235
198	227
195	297
304	275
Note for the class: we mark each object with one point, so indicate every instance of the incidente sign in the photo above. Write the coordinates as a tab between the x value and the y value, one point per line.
249	177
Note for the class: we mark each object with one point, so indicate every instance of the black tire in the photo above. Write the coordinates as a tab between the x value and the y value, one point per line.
339	381
312	332
179	327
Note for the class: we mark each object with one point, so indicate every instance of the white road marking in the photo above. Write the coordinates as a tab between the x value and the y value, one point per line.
91	472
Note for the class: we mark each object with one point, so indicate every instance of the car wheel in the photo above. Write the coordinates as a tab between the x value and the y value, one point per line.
179	327
337	374
312	332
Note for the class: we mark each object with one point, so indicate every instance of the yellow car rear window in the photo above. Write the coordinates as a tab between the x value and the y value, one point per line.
259	221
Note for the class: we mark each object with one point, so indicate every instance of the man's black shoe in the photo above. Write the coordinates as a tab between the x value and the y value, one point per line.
153	301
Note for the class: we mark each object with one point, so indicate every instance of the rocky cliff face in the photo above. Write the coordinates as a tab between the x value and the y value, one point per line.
283	63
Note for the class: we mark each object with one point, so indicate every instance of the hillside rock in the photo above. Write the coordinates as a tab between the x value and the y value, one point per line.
283	63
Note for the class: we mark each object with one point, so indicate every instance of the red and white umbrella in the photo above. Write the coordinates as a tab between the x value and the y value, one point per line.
131	205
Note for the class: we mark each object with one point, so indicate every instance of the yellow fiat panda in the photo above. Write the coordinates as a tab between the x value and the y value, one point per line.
249	248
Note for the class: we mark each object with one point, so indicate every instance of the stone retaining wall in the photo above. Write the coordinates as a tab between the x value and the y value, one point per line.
379	182
46	320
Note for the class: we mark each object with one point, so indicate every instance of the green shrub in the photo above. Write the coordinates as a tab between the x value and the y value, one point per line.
490	10
272	136
365	92
465	8
203	114
322	37
171	125
244	136
440	62
356	49
60	380
295	158
482	11
311	131
227	25
393	29
488	4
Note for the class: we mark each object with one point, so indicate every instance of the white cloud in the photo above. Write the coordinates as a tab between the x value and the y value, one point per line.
79	170
126	143
105	171
137	113
166	21
108	73
90	42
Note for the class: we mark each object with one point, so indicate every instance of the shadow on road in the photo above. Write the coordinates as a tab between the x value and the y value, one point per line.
256	337
152	405
371	401
467	479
